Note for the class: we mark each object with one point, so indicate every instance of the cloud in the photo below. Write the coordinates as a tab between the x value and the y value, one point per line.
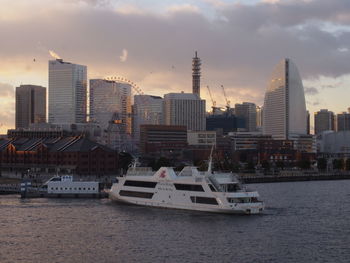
239	44
311	91
7	98
124	55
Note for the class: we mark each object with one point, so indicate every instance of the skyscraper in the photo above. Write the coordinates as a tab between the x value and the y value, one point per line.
105	101
30	105
247	111
185	109
343	121
196	75
324	121
147	110
284	112
67	92
110	107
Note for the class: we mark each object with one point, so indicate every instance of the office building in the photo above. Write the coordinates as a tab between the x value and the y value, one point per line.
284	105
104	100
30	105
247	111
165	139
324	121
343	121
147	110
67	92
184	109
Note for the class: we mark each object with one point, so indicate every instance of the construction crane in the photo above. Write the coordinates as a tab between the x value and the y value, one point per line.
228	106
215	110
212	101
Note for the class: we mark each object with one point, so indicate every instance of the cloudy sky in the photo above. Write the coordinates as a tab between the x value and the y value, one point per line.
152	42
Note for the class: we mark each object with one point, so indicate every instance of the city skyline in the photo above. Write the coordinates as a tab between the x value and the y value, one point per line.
316	39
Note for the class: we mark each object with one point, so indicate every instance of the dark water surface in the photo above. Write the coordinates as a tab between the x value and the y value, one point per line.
303	222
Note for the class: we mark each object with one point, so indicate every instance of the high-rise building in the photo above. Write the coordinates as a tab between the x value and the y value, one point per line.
343	121
30	105
247	111
324	121
307	122
126	108
147	110
259	117
196	75
105	101
284	112
185	109
67	92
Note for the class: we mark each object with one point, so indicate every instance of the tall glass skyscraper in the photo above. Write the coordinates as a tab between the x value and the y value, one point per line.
110	101
67	92
284	112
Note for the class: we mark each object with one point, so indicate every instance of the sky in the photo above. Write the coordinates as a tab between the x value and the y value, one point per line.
152	42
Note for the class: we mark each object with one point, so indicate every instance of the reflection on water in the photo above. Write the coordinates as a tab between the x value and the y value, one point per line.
303	222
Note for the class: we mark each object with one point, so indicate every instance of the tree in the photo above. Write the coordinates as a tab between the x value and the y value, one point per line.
280	164
304	164
322	164
338	164
347	164
266	165
125	159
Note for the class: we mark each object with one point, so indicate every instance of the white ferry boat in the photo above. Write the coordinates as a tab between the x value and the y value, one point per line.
65	185
190	189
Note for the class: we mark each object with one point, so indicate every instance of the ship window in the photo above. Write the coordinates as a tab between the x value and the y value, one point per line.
189	187
136	194
140	184
212	188
204	200
79	188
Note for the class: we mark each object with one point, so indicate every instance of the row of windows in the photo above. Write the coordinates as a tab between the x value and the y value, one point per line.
189	187
204	200
136	194
140	184
73	188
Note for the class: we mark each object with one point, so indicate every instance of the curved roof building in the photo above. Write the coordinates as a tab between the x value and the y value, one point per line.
284	113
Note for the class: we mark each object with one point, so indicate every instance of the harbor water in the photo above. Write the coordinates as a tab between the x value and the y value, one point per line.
303	222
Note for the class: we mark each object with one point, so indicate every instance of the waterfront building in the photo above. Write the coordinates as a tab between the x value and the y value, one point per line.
333	143
30	105
324	121
67	92
184	109
196	75
247	111
343	121
47	130
64	155
147	110
165	139
201	138
243	141
284	105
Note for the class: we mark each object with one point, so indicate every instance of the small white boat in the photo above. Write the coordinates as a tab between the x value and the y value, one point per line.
190	189
65	185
